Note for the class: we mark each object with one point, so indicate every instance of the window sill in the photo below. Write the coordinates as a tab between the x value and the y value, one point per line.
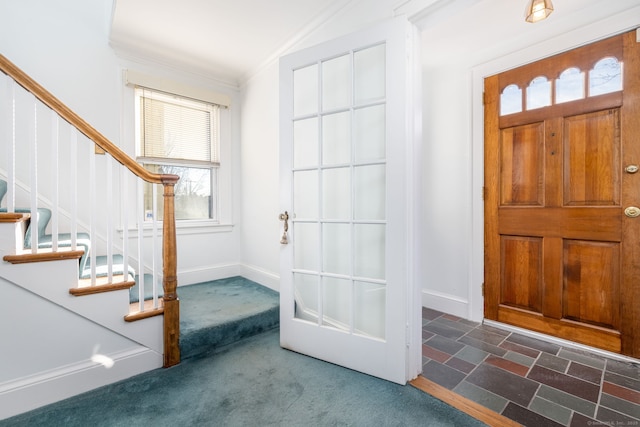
182	228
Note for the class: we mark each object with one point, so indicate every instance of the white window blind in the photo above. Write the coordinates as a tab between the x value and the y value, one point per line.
178	128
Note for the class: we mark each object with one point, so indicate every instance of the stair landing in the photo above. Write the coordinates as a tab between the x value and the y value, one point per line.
220	312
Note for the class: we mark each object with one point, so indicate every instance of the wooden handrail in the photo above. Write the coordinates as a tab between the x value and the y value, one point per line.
10	69
169	253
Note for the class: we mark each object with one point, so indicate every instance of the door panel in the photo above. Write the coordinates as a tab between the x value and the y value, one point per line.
591	293
592	159
346	141
522	166
561	256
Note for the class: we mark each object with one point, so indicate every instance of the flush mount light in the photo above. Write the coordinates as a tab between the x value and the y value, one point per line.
537	10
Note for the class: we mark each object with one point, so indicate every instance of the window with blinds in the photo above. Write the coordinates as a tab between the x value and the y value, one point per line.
180	136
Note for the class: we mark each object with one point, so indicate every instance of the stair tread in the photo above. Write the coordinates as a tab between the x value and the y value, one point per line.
217	313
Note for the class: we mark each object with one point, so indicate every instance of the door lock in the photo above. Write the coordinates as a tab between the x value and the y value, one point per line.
631	169
632	211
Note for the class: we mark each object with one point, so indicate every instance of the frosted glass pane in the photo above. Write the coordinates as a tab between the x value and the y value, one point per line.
369	74
606	77
336	304
305	143
306	296
369	192
369	258
336	248
510	100
538	93
305	194
570	85
369	133
369	303
336	138
305	246
336	83
305	90
336	193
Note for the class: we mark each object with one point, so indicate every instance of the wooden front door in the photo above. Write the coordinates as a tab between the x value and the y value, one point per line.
562	195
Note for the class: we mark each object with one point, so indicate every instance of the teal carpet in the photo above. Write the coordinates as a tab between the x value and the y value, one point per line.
250	383
214	314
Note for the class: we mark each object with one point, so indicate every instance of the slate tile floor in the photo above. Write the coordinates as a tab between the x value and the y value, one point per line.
533	382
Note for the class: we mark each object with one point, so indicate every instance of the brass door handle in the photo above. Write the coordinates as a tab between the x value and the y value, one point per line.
632	211
285	217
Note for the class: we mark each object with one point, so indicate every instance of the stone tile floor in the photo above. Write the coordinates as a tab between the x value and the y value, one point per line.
533	382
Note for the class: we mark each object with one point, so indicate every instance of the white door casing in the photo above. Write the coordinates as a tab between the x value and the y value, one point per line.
348	150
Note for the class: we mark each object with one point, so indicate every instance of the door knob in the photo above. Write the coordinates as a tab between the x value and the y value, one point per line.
632	211
285	217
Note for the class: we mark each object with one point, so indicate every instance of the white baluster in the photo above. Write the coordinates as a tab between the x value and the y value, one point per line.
110	218
155	245
33	169
55	180
73	176
141	216
92	214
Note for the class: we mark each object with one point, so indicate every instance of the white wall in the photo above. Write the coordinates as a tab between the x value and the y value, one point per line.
261	228
64	45
457	55
456	41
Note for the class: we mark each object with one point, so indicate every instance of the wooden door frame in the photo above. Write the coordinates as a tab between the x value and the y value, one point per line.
617	24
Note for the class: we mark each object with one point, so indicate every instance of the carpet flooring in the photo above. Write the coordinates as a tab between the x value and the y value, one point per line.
253	382
214	314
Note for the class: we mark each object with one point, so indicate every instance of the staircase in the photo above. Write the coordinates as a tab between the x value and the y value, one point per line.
90	289
63	335
89	286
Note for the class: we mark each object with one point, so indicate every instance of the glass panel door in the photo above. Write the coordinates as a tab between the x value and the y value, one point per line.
340	299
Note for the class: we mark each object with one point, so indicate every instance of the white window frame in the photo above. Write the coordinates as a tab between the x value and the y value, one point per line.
212	165
203	92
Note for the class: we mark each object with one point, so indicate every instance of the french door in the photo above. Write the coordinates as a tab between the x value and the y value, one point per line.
345	160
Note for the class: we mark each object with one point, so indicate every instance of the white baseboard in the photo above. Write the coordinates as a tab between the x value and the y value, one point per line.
259	275
446	303
26	394
215	272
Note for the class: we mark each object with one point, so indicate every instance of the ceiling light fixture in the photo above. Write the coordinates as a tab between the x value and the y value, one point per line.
537	10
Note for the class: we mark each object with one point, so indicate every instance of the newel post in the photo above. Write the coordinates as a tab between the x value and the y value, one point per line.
170	279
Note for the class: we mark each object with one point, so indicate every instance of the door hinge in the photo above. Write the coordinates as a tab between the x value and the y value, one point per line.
484	193
482	288
484	98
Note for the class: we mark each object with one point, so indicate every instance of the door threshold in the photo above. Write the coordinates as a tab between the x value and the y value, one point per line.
561	342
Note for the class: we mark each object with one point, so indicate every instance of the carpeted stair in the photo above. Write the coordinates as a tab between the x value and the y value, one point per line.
212	314
218	313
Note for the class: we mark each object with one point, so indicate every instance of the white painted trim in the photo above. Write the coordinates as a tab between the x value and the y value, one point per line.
137	78
207	274
561	342
612	25
424	12
259	275
32	392
322	18
445	303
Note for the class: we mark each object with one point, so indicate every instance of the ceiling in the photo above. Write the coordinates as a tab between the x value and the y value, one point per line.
231	40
